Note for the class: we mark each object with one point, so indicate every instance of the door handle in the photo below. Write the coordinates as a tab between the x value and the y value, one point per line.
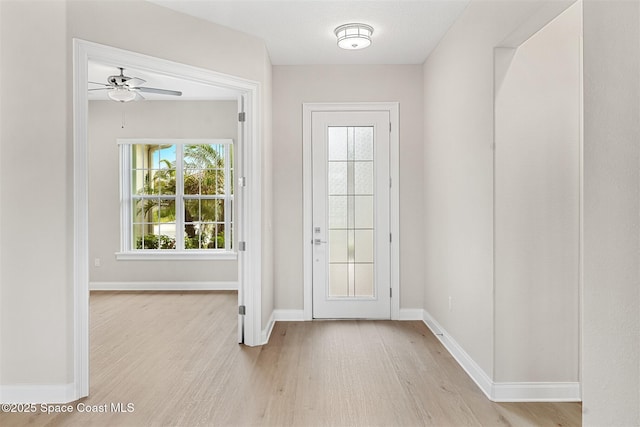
318	241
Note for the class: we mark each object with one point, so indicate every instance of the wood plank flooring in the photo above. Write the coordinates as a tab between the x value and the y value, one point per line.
174	357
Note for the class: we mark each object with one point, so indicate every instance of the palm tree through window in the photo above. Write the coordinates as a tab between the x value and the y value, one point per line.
181	196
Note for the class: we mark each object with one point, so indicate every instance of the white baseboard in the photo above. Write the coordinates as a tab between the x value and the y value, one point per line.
472	369
503	391
280	316
411	314
34	393
288	315
266	332
163	286
537	392
495	391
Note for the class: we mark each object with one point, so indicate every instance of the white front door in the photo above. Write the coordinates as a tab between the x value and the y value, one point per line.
351	231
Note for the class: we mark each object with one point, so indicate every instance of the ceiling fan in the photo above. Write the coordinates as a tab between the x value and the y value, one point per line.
124	89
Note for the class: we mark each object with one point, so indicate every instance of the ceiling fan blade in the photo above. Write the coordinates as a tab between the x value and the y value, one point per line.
101	88
101	84
158	91
139	97
135	82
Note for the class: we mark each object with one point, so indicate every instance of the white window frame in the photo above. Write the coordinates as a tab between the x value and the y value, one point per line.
127	252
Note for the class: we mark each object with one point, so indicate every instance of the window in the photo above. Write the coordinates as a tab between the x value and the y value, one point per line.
177	198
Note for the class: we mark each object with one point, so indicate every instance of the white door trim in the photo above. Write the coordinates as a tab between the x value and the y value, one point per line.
394	209
250	261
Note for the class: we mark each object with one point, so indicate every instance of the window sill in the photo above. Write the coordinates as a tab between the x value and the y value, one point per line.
158	255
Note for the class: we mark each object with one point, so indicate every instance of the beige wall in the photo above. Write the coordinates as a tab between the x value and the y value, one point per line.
189	41
458	89
295	85
157	119
160	32
36	311
37	305
611	337
537	207
35	188
209	46
458	174
268	291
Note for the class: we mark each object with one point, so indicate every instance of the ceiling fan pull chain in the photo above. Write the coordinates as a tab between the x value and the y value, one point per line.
123	120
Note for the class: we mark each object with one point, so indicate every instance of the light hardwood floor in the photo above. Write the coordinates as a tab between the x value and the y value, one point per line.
174	357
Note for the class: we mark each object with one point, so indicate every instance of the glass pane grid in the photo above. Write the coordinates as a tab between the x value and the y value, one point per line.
206	188
350	184
154	224
204	191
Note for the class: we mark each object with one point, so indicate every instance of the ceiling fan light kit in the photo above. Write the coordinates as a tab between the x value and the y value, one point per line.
121	95
354	36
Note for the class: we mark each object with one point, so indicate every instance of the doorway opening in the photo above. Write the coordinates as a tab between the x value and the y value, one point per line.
246	199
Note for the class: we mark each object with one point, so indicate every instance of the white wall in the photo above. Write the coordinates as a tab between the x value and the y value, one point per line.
157	119
37	305
537	206
611	334
294	85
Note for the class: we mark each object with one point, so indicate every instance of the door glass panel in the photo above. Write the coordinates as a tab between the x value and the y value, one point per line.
364	280
364	241
363	212
337	143
350	208
364	143
338	246
337	212
337	177
338	278
363	180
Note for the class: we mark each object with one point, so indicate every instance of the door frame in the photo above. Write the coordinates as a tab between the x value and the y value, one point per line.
249	163
393	108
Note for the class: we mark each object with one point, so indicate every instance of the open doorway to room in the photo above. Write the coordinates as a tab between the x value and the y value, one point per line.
161	175
162	247
161	185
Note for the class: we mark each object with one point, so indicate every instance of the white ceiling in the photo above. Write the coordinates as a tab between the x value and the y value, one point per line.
301	31
190	90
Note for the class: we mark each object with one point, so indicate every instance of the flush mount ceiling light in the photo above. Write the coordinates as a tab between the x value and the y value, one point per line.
354	36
